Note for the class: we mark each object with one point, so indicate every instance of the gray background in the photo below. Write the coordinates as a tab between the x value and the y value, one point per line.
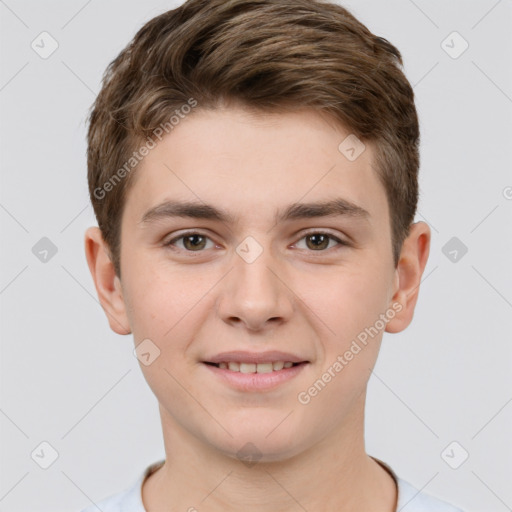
68	380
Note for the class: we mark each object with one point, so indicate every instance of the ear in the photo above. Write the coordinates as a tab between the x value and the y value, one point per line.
108	285
412	261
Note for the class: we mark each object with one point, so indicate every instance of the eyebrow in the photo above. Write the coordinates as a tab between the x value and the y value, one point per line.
295	211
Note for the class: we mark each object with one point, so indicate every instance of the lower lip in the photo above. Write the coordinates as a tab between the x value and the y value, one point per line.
256	381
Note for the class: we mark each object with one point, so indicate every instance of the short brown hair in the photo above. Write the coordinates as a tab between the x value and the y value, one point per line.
270	56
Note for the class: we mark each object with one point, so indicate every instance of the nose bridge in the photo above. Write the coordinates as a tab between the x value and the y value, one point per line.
254	294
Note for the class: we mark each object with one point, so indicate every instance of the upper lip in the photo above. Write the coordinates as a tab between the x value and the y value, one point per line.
255	357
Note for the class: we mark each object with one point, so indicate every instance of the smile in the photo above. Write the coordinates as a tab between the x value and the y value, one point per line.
269	367
255	377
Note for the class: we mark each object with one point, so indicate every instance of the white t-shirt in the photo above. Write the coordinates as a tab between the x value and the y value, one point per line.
410	499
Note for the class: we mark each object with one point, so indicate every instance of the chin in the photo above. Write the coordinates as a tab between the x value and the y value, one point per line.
253	445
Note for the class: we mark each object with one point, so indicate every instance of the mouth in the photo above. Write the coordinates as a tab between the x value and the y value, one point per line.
256	372
268	367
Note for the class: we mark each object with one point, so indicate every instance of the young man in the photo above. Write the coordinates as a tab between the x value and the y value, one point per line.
253	169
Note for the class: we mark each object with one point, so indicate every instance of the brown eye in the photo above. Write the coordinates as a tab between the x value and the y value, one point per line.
191	242
194	242
320	242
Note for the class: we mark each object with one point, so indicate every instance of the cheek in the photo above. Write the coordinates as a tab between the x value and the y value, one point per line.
352	310
346	300
160	298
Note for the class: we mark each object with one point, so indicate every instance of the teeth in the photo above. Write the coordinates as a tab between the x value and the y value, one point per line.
255	368
264	367
247	367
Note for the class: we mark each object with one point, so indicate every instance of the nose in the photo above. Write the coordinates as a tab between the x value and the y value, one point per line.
255	294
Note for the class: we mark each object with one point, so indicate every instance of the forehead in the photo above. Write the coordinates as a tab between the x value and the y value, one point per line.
253	164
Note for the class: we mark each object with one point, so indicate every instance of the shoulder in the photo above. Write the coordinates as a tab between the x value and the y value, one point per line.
124	501
129	500
411	499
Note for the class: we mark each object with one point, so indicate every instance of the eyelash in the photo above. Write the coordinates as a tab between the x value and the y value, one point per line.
340	242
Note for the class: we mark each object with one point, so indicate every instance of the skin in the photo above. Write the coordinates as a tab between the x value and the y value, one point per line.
312	302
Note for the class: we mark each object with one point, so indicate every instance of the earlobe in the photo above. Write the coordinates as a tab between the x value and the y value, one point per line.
106	281
411	264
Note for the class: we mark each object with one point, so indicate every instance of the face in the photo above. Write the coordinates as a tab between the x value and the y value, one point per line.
246	276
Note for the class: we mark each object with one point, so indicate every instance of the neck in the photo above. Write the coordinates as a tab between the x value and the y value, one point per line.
335	474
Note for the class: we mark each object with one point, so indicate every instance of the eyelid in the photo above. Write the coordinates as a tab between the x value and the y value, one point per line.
323	231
